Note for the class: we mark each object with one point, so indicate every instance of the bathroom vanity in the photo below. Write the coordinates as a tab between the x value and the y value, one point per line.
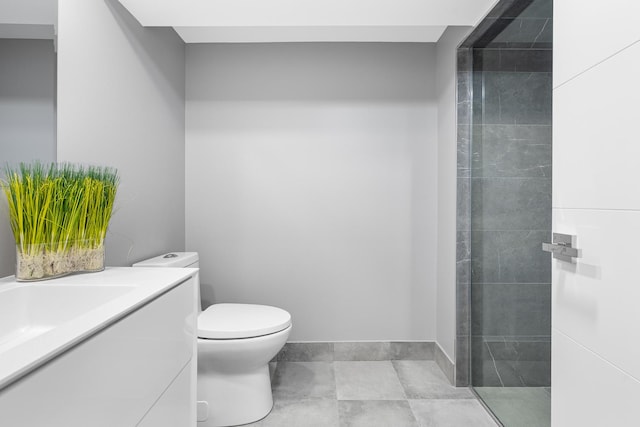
115	348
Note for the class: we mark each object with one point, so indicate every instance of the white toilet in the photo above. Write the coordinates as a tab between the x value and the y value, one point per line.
235	344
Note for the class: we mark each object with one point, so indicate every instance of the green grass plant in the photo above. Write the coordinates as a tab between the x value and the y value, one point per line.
58	207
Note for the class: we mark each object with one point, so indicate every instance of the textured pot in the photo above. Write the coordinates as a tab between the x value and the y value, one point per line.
44	261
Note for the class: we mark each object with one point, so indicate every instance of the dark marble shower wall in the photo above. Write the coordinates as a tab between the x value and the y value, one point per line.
504	197
510	207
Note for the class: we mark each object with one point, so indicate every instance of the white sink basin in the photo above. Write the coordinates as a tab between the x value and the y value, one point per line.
41	320
33	309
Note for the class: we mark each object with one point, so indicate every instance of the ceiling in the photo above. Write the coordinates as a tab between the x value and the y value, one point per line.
208	21
28	19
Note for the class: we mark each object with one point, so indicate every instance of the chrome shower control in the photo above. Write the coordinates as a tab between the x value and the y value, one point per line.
562	247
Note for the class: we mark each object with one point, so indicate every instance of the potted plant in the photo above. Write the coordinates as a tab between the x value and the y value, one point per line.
59	216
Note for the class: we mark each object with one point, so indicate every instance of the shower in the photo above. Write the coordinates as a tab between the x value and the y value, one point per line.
504	212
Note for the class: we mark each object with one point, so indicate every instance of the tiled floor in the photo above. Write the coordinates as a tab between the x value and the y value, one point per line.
519	406
399	393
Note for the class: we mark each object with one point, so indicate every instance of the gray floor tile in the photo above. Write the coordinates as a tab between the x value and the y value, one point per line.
451	413
367	381
423	379
301	413
372	393
304	380
518	406
375	413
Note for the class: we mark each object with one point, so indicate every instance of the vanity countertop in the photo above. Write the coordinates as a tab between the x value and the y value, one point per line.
39	320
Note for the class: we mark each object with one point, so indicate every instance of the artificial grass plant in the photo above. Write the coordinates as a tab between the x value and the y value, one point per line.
59	216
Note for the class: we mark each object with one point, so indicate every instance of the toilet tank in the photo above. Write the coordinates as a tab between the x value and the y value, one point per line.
172	259
175	260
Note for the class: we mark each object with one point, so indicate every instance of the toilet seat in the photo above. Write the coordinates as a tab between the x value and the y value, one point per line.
234	321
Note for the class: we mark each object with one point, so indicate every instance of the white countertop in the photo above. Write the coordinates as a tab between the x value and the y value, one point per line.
138	286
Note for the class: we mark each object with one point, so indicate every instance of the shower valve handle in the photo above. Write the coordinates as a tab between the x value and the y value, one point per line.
562	247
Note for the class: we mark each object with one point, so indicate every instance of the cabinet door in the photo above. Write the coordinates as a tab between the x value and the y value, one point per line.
116	376
170	410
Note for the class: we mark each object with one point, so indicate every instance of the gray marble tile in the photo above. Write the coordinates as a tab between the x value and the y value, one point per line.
451	413
521	32
510	158
513	256
488	372
302	413
463	272
375	413
464	107
463	245
539	134
463	355
510	204
528	60
425	380
463	151
511	363
367	381
516	98
484	373
306	352
363	351
303	380
530	348
511	309
463	309
412	350
517	60
463	57
538	9
523	373
545	38
478	106
483	369
522	363
464	91
463	204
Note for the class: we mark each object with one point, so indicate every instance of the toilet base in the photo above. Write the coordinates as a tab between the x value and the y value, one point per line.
235	399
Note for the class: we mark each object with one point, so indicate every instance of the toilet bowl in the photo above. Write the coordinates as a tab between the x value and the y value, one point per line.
235	344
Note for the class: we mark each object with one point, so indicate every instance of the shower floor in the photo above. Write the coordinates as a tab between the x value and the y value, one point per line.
518	406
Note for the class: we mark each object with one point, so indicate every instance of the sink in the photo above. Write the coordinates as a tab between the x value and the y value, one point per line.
40	320
30	310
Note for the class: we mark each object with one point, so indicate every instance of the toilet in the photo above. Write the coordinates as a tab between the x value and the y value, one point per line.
235	344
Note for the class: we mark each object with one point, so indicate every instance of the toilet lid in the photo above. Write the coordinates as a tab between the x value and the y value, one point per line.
228	321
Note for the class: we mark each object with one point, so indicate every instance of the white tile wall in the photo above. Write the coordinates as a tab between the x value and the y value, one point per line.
595	349
587	32
594	134
588	391
596	299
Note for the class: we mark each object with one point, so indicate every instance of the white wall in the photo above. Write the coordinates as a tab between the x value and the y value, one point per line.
29	12
595	353
300	183
121	103
446	178
27	118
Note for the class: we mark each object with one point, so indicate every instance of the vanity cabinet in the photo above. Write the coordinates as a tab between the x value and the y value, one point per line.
139	370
